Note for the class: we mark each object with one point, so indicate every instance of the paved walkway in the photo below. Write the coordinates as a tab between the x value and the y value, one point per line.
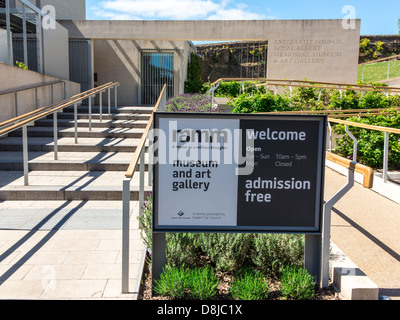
365	226
72	250
65	250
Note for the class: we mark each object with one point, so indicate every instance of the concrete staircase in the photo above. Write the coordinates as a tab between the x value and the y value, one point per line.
93	169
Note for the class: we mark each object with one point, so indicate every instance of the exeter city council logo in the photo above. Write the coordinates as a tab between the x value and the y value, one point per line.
181	213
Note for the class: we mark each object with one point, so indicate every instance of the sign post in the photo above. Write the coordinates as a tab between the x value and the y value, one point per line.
239	173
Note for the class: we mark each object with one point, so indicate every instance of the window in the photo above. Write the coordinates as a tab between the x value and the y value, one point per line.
157	70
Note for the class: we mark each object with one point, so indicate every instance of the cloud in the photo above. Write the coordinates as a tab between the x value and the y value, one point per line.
175	10
235	14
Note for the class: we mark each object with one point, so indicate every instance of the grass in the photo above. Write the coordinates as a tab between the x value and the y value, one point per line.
378	71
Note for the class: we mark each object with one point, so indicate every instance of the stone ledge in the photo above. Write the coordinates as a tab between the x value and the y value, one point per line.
349	280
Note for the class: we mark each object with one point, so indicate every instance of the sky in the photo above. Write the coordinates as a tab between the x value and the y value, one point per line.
377	17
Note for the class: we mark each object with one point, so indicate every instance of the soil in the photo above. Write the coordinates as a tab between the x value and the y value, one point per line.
223	288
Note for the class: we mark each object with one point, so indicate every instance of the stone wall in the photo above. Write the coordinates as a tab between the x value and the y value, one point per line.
242	59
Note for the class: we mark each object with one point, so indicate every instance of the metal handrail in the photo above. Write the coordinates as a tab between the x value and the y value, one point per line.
380	60
65	103
38	114
367	172
366	126
35	87
31	87
311	84
346	112
138	156
352	167
286	81
38	111
131	169
386	131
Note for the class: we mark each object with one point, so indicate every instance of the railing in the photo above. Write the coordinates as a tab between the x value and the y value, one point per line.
138	158
352	167
35	87
25	120
341	113
307	84
385	130
376	61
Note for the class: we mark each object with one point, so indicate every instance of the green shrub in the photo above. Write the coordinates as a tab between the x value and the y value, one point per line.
249	285
194	82
199	284
297	283
21	65
202	283
146	221
173	283
227	251
373	99
348	100
272	252
261	102
181	249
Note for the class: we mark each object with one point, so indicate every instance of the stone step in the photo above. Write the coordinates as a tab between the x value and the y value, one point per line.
122	116
42	144
65	215
67	186
95	123
68	161
69	132
113	110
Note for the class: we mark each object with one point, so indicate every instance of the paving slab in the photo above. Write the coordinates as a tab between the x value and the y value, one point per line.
365	226
50	263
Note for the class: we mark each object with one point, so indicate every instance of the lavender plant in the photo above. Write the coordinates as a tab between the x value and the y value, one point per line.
187	102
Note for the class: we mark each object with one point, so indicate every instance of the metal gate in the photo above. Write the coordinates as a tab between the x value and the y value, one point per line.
18	50
157	70
80	70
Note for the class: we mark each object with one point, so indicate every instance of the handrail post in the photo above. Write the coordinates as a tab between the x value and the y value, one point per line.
150	154
76	122
25	153
141	183
101	105
55	129
326	236
116	96
386	158
52	93
36	98
125	234
16	103
109	101
330	136
90	113
354	144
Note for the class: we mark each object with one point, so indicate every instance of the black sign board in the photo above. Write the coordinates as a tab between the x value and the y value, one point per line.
238	173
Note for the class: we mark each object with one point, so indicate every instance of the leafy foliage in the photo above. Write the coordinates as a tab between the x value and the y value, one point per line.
203	283
227	251
249	285
194	83
187	102
21	65
297	283
176	282
272	252
173	282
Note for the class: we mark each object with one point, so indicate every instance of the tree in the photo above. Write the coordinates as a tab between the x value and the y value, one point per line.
398	24
194	82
